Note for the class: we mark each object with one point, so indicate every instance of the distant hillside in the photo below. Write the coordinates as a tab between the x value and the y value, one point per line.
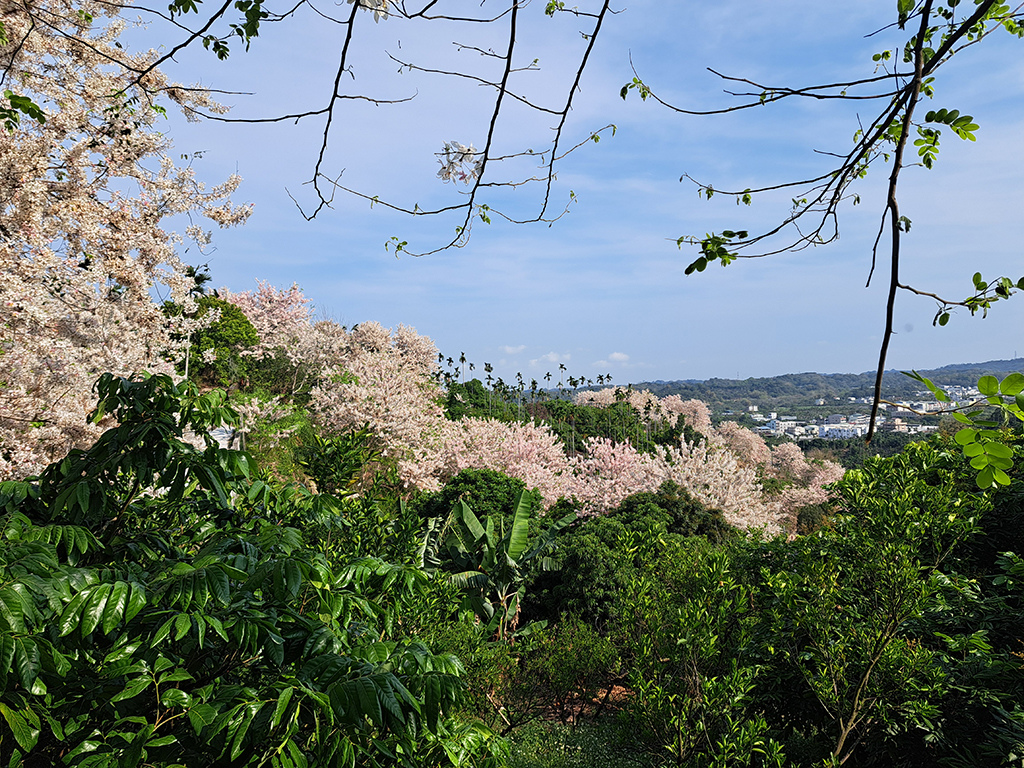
799	390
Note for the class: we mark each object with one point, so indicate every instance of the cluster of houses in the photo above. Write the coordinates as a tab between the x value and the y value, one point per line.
902	416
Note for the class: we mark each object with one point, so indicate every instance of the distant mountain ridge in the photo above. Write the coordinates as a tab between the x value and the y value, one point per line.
797	389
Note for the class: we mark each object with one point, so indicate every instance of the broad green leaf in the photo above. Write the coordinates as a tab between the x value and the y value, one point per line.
122	652
175	697
999	449
12	610
133	688
164	631
70	618
470	520
988	385
1012	384
240	727
966	436
999	462
517	538
201	715
6	658
182	624
26	660
136	602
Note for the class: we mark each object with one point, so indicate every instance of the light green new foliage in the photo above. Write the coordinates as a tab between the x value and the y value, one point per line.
692	696
980	438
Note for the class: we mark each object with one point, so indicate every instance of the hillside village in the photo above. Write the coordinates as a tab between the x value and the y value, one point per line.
912	417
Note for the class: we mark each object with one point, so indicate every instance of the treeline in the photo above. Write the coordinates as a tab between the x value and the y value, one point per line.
803	389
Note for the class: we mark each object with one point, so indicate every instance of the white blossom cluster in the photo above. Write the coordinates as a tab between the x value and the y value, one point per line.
82	250
459	162
379	8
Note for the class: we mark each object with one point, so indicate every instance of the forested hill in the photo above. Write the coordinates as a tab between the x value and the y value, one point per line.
796	389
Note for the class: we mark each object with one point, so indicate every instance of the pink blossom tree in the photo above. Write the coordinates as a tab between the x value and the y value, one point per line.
384	380
86	184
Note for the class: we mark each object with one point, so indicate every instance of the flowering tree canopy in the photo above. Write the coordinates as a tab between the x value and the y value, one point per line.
85	184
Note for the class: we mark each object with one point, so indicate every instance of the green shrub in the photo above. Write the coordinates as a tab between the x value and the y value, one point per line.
600	556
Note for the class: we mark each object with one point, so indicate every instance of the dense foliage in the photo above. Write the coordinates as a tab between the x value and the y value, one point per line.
162	605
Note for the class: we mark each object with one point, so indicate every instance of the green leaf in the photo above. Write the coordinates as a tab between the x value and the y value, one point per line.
201	715
988	385
282	704
966	436
1000	477
92	612
470	520
133	688
163	632
116	603
12	610
986	477
999	449
182	624
175	697
24	734
136	602
26	660
1012	385
517	538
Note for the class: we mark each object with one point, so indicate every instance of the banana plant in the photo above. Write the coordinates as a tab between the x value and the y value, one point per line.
490	565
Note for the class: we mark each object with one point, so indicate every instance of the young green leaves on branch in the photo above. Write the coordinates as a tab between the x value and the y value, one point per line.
712	248
979	439
986	293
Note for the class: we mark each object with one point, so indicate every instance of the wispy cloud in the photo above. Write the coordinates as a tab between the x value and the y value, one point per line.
510	350
619	357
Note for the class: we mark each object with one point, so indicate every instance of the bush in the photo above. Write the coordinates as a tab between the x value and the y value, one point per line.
488	493
227	338
600	556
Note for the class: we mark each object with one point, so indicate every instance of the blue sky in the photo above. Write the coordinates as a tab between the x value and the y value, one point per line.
603	290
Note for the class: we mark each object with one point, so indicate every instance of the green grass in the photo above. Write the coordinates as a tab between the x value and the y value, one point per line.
588	745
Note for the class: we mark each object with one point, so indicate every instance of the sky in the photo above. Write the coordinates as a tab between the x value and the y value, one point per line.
603	290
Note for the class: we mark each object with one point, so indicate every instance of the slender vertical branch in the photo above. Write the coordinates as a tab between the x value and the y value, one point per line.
893	209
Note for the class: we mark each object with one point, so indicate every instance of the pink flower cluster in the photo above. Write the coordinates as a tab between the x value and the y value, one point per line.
385	380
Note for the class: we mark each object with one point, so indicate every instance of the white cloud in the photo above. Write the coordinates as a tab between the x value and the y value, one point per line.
509	350
551	357
619	357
